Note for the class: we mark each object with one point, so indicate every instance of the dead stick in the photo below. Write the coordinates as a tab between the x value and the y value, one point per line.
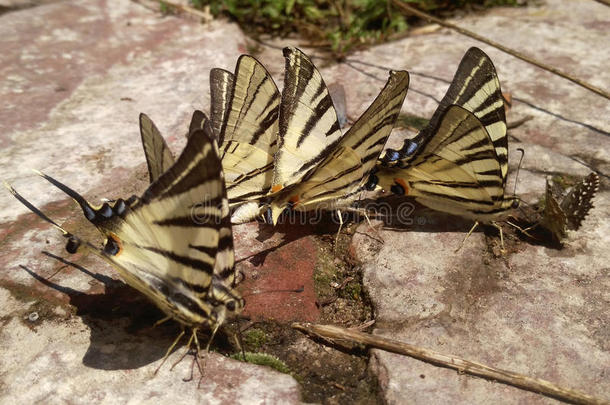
408	9
449	361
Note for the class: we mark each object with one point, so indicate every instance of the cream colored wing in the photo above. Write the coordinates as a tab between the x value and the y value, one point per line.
249	132
174	244
158	155
476	88
308	126
335	181
456	172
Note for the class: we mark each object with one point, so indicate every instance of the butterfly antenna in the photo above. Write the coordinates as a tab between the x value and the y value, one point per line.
518	169
88	210
35	210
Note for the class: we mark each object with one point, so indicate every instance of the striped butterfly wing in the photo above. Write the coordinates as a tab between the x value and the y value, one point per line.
249	130
457	171
158	155
335	181
308	125
174	244
579	201
221	89
476	88
198	121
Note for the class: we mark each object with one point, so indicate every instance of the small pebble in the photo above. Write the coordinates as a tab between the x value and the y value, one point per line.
33	317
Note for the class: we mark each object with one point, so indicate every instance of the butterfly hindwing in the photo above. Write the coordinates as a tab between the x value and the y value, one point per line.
174	243
567	213
457	171
579	201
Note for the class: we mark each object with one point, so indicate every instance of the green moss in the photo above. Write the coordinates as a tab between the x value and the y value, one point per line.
263	359
352	290
413	121
255	338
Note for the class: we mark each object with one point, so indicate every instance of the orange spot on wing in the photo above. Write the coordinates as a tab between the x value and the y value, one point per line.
277	187
118	243
403	184
294	199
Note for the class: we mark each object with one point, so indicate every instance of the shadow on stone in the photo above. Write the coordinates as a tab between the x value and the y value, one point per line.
120	321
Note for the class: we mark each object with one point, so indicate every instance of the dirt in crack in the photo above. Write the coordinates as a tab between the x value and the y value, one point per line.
327	374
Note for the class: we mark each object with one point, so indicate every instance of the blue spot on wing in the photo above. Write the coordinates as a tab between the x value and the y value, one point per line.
392	155
410	148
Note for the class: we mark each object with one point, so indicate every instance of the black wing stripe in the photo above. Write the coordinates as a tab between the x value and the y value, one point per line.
194	264
266	122
225	242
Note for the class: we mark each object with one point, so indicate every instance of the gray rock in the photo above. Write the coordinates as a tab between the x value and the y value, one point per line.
539	311
75	76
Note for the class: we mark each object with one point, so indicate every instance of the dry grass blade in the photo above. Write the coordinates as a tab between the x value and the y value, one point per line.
329	332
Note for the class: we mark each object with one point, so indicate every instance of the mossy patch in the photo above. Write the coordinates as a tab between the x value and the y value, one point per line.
263	359
255	338
411	121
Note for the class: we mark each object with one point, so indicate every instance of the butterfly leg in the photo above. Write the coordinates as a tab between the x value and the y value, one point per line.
499	228
188	348
467	236
339	231
163	320
207	347
524	231
169	351
365	214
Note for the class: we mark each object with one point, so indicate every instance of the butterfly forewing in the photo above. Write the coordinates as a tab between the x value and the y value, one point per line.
252	116
221	88
579	201
189	206
335	181
369	134
158	155
198	121
249	132
308	125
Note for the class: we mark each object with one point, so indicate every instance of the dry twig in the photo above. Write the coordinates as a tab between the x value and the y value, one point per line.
329	332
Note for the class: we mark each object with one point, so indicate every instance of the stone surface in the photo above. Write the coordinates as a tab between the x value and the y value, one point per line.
277	261
74	78
539	311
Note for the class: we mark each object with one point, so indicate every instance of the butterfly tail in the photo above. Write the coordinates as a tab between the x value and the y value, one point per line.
88	210
74	242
